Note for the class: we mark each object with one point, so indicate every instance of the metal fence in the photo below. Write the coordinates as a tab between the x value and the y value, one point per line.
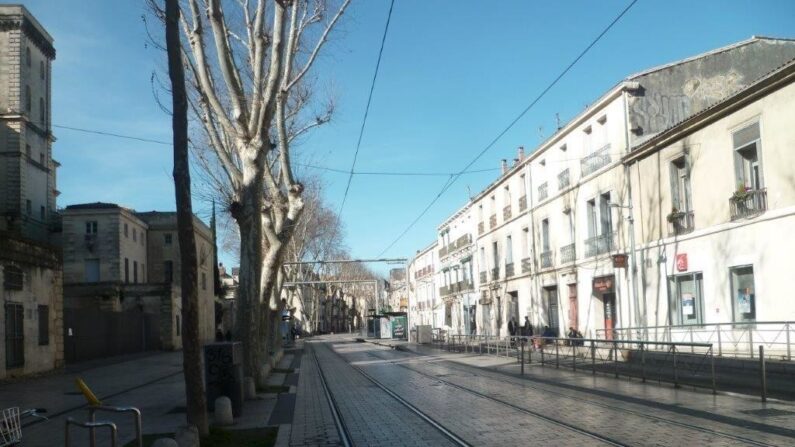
729	339
679	363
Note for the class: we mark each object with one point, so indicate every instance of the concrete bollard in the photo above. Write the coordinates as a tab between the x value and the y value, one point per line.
187	436
223	411
249	388
165	442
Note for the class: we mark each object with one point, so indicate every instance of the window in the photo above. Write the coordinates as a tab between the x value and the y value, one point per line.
27	56
42	212
126	230
92	270
743	293
590	209
27	99
143	272
204	281
179	329
135	235
42	119
14	335
507	196
126	270
482	259
28	207
12	277
448	314
680	185
167	238
686	299
135	272
42	159
29	151
545	234
748	166
509	250
91	227
168	272
522	185
606	220
495	251
42	72
526	242
44	325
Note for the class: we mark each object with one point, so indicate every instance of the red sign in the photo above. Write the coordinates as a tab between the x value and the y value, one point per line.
603	284
681	262
620	261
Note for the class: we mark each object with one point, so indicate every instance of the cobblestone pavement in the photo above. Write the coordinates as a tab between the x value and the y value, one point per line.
313	422
371	416
484	401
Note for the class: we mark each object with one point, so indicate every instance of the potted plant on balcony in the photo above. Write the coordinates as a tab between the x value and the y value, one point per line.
675	215
741	193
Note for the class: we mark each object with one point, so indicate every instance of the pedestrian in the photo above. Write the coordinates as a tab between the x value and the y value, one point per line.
527	328
512	327
572	334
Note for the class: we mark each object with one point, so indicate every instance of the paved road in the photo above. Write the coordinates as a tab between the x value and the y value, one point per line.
480	406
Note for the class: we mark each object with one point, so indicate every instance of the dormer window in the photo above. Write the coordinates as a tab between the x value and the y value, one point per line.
602	119
588	130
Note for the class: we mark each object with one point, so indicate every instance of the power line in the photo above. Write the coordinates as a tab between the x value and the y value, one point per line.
453	179
110	134
367	107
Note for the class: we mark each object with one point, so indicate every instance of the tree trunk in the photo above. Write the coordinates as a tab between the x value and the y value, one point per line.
191	347
250	296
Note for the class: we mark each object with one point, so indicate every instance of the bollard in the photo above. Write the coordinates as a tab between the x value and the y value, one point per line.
542	352
521	360
574	356
676	371
712	368
223	411
593	358
615	357
557	357
762	375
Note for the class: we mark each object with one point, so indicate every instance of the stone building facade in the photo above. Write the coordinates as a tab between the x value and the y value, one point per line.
30	265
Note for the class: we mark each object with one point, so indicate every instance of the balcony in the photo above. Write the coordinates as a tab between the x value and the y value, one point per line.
495	273
444	291
492	221
527	265
563	179
748	203
596	161
599	245
506	213
522	203
443	251
680	222
481	228
568	254
509	270
546	259
483	277
543	191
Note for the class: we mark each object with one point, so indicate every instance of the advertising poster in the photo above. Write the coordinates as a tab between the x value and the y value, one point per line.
688	305
399	327
744	298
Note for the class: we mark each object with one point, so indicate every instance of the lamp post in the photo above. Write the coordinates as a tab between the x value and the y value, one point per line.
633	265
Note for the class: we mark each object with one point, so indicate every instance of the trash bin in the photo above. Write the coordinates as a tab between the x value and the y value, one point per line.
223	374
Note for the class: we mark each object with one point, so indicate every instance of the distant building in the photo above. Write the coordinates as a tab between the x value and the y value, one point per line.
31	302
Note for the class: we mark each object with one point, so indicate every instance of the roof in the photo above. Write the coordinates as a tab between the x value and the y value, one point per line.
769	82
93	206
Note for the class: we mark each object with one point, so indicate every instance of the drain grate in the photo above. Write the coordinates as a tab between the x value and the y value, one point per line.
768	412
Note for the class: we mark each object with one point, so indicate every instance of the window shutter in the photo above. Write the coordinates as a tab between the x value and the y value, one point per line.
675	187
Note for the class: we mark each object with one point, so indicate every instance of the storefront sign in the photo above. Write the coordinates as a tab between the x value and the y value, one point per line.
603	284
681	262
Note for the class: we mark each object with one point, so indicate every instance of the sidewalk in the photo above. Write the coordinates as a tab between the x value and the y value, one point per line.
154	384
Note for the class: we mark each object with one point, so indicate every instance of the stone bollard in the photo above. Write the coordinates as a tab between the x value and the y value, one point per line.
223	411
187	436
165	442
249	388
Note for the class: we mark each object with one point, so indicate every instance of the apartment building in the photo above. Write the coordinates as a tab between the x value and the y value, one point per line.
425	307
31	296
558	233
715	205
457	281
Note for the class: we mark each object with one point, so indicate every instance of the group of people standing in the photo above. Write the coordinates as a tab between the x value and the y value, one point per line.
526	330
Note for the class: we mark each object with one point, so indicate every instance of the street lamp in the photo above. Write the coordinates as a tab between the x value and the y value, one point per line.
633	264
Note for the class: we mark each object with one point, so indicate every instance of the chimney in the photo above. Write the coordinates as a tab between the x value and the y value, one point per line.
521	153
504	165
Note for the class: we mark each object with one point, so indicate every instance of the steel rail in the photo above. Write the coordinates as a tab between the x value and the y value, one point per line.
342	429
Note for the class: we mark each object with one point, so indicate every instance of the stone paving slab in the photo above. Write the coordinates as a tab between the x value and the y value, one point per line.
312	422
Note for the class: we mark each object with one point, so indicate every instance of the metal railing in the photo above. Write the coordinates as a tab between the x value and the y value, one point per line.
522	203
506	213
729	339
563	179
596	161
751	203
678	363
543	191
492	221
509	270
481	227
495	273
681	222
568	253
527	265
599	245
546	259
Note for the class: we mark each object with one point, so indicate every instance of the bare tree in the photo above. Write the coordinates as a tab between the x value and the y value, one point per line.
251	96
191	347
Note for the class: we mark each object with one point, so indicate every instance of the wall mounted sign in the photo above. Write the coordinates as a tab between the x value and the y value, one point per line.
681	262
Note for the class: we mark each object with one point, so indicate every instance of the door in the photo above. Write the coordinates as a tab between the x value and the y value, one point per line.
473	321
573	311
14	336
486	319
92	270
552	309
513	310
610	314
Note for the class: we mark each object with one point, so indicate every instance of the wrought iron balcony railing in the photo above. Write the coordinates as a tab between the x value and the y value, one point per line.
492	221
509	270
506	213
749	203
527	265
481	227
482	277
522	203
546	259
495	273
563	179
543	191
599	245
680	223
596	161
568	253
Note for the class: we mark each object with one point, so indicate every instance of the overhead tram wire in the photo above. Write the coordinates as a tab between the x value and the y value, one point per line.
543	93
367	107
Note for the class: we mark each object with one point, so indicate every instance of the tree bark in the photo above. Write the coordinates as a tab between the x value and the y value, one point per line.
191	347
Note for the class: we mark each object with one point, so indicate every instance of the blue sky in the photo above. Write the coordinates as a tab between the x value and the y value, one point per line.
454	73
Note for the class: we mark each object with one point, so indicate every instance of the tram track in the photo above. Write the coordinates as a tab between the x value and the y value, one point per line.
579	399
